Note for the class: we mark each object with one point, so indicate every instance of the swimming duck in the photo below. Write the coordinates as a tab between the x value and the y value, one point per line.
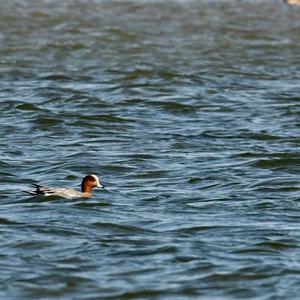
88	183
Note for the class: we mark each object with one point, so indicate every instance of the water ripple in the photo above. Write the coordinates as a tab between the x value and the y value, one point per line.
189	113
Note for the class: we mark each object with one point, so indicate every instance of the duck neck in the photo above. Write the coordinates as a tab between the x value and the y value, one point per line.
86	189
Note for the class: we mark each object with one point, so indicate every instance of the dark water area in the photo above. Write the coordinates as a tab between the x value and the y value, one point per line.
189	113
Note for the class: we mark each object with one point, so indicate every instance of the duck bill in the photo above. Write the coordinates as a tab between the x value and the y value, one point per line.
101	186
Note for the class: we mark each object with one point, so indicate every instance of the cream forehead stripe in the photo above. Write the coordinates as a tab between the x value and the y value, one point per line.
96	178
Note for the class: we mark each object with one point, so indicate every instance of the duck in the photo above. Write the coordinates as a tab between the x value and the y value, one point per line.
88	183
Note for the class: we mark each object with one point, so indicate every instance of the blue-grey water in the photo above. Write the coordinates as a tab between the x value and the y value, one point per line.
189	113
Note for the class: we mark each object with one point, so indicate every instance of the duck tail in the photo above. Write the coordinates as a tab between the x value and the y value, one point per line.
38	190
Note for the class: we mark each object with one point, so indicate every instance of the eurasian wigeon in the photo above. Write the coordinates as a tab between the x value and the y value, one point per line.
88	183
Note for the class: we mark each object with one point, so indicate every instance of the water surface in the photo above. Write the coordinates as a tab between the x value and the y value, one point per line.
189	113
